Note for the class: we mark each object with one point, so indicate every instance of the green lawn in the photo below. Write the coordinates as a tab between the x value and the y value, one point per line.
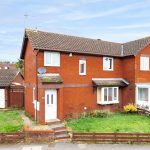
10	121
115	123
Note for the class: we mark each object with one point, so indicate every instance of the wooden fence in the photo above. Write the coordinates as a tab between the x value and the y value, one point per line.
111	137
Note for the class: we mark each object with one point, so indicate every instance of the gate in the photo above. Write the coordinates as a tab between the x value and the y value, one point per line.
16	96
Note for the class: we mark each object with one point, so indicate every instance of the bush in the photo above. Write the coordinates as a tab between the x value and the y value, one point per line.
130	108
97	113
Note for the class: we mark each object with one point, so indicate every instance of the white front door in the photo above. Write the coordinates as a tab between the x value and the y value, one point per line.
2	98
50	104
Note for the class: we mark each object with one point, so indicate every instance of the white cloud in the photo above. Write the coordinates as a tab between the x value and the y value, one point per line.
131	26
49	10
124	37
79	15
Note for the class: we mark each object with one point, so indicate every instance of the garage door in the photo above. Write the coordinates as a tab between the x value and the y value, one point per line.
2	98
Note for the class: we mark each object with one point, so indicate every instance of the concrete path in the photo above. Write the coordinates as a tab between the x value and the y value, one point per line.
31	124
70	146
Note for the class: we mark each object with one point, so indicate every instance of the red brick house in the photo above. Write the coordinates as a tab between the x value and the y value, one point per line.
11	88
66	75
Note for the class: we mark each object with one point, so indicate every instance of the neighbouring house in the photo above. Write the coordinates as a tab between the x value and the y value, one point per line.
5	65
11	88
66	75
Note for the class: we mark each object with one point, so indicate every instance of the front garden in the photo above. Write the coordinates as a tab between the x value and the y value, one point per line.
10	121
108	122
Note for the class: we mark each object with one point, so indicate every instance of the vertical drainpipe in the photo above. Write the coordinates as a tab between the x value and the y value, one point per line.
36	112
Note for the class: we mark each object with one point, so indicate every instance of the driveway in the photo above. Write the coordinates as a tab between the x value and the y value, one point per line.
69	146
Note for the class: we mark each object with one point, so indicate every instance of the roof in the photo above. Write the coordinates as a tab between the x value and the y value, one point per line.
59	42
7	76
110	82
50	78
133	47
65	43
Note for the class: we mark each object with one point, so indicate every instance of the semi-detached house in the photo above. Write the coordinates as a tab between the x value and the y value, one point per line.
66	75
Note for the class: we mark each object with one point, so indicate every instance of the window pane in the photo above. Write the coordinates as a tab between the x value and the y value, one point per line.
82	68
55	58
115	94
47	57
105	94
110	98
51	98
47	98
143	94
110	63
144	63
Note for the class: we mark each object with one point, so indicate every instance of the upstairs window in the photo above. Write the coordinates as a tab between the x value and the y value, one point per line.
108	63
82	67
144	63
51	59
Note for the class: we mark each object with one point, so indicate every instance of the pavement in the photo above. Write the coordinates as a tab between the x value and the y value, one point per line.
70	146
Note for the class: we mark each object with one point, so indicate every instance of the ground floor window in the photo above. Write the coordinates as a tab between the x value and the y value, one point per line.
107	95
143	94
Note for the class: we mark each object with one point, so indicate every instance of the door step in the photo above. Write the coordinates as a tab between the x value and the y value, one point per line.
53	121
62	136
61	131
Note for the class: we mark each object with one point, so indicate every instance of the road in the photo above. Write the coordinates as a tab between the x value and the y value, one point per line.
69	146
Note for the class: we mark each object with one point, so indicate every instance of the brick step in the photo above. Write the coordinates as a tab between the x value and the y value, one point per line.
59	128
62	136
59	132
53	122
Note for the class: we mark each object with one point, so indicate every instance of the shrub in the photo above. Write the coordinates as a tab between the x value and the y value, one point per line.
97	113
130	108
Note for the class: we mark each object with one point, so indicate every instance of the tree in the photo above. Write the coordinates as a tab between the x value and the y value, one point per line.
20	65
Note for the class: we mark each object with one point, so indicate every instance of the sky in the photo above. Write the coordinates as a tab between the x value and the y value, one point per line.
110	20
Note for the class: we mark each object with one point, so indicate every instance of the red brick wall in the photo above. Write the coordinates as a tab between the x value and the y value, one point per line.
29	77
128	65
142	76
72	100
69	68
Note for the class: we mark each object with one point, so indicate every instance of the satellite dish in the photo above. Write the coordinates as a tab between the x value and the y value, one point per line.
41	70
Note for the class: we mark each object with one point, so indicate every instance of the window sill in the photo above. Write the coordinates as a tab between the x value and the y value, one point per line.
145	70
108	70
107	103
51	66
82	74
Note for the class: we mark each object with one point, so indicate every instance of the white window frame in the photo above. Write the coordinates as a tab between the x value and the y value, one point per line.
80	63
51	58
139	102
144	63
105	67
100	96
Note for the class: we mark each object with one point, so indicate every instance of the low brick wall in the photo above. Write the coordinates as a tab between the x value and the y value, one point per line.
111	137
12	137
28	137
39	136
